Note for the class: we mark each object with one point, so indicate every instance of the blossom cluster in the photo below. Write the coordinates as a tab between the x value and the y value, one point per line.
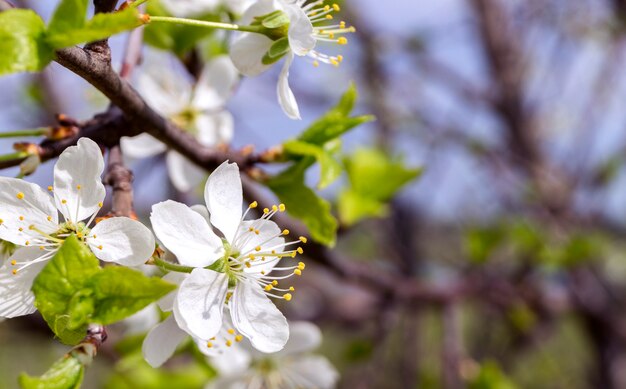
225	282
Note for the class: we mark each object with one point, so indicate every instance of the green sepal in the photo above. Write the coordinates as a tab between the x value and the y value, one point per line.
66	373
275	19
278	50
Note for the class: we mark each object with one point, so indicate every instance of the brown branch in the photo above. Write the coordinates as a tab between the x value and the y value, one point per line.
120	178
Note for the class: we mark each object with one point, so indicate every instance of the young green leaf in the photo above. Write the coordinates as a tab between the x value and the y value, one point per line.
22	44
100	27
66	373
303	204
374	180
330	169
69	15
353	207
60	290
120	292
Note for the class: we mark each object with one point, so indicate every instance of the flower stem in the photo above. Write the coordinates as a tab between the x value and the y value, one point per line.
15	134
165	265
13	156
203	23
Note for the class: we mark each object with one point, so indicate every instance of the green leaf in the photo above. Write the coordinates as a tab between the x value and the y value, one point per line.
278	49
22	45
491	377
66	373
480	243
101	26
373	174
120	292
303	204
69	15
374	180
330	169
275	19
335	122
59	290
353	207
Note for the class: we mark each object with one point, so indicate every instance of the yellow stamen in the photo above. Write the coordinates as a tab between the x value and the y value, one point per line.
342	40
297	272
209	344
285	232
303	239
287	296
20	195
281	207
50	188
231	331
254	204
238	338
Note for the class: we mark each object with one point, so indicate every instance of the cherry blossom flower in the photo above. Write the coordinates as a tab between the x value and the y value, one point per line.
199	110
236	274
306	28
292	367
29	219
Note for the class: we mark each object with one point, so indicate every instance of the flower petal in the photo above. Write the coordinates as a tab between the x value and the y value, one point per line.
248	51
200	302
286	99
215	84
33	208
224	198
16	297
167	303
303	336
269	238
312	371
258	319
122	240
142	146
185	175
168	92
186	234
301	38
77	180
161	342
215	128
259	8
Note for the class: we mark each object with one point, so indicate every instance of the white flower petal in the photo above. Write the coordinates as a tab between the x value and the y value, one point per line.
215	128
258	319
269	238
167	303
286	99
142	146
200	302
142	321
79	166
228	360
247	53
34	208
16	298
167	92
122	240
186	234
161	342
185	175
303	336
202	211
301	38
224	198
215	84
260	7
312	372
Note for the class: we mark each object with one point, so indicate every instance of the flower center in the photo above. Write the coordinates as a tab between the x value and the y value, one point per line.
318	14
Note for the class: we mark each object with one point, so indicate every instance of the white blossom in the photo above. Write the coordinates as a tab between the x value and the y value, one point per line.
29	219
243	274
197	109
291	368
306	30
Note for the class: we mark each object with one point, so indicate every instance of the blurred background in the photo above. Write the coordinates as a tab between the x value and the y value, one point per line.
501	266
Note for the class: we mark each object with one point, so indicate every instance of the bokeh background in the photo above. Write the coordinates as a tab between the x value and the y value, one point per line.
505	258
